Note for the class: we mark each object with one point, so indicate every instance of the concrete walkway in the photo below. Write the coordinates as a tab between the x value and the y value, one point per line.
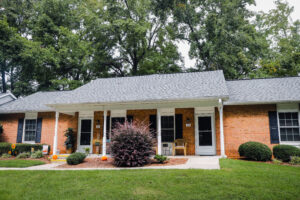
194	162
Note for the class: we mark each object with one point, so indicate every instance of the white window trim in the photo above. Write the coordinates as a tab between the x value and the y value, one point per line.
278	123
174	125
28	117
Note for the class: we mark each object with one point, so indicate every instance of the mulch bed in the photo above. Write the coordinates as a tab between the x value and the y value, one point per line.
98	163
44	159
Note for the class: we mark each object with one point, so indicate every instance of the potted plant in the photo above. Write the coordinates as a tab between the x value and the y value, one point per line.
87	151
70	141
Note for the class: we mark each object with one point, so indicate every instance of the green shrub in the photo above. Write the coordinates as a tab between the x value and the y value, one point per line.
5	155
4	147
76	158
37	154
284	152
255	151
160	158
23	155
27	147
295	160
277	162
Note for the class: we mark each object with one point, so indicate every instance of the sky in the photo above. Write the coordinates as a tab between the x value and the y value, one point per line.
261	5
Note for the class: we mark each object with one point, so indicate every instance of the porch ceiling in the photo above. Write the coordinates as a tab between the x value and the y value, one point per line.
134	106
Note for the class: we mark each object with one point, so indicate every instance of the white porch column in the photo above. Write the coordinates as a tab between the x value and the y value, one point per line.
221	129
158	132
104	133
55	133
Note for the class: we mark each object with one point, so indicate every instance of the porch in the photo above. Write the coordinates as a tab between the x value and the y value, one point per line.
200	124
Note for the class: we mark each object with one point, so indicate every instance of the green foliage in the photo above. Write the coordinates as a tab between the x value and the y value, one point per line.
61	45
276	161
76	158
4	147
70	140
160	158
20	148
295	160
20	163
255	151
23	155
37	154
5	155
285	152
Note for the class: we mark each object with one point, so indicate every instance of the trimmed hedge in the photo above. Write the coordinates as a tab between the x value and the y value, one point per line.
285	152
255	151
4	147
20	148
76	158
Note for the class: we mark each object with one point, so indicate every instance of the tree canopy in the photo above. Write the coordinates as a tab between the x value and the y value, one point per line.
62	44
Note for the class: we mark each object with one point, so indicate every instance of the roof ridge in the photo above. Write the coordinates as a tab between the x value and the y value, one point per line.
265	78
163	74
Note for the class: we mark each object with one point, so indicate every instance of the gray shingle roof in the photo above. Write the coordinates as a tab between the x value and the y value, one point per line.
34	102
264	90
180	86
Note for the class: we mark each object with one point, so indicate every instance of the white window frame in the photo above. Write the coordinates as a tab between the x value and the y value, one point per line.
174	126
168	112
287	108
29	116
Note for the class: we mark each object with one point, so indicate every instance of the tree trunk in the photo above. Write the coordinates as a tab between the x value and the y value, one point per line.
3	77
12	83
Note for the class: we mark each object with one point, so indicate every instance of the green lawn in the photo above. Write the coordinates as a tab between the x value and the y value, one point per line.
20	163
236	180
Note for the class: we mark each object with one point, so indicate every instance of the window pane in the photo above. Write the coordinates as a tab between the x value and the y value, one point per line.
281	116
167	135
294	115
295	122
30	130
167	122
116	120
282	122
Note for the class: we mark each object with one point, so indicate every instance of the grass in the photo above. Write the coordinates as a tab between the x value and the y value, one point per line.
236	180
20	163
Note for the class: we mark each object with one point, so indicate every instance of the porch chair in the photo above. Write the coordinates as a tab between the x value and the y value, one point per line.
179	144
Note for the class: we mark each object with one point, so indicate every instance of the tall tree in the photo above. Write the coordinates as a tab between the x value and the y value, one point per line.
137	41
220	34
283	58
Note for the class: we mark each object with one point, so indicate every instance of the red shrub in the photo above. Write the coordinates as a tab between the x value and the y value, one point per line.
131	144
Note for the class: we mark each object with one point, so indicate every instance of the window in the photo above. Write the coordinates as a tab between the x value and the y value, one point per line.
85	133
30	130
167	128
289	126
114	122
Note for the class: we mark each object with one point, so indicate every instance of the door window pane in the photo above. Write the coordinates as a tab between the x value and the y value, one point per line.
204	131
86	129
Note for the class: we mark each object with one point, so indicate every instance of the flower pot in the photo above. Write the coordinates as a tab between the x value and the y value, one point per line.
69	151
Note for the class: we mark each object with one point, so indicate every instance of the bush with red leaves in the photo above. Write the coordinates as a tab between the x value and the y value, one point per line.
131	144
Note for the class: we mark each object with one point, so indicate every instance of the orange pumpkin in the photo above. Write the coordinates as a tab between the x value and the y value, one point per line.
104	158
54	157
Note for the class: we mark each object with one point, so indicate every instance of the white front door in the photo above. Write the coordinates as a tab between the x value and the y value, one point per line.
85	135
205	141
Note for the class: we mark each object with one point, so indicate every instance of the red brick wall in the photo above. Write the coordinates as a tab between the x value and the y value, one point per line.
10	127
243	124
188	132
